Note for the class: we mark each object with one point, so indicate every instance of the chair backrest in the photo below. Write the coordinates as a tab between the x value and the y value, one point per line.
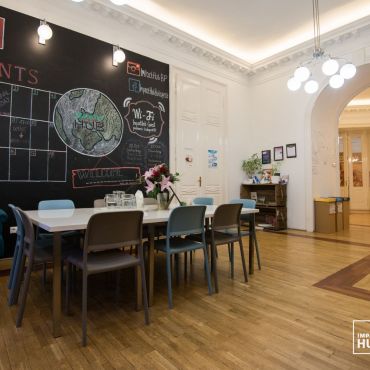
203	201
186	220
99	203
29	234
227	216
150	201
18	220
56	204
112	230
247	203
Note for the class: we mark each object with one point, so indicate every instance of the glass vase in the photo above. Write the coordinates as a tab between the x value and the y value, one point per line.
162	199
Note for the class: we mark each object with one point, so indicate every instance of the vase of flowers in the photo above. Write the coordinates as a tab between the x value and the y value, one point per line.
159	181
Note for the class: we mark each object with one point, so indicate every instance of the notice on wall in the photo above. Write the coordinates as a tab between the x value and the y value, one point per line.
212	158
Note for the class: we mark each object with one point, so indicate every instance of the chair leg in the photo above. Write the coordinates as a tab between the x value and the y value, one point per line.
191	257
186	265
145	294
243	260
169	280
44	276
214	266
17	278
84	308
68	288
177	267
232	260
257	250
22	304
14	265
208	274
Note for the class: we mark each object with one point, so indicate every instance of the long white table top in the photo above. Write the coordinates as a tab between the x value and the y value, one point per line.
78	218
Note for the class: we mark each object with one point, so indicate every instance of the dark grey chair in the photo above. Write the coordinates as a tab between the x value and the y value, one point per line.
249	219
226	218
105	235
16	272
37	252
184	221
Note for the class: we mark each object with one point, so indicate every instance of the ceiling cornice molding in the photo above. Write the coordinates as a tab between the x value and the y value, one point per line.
191	45
171	35
328	40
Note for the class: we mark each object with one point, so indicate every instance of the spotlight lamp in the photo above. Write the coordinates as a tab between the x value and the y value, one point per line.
44	31
337	69
119	55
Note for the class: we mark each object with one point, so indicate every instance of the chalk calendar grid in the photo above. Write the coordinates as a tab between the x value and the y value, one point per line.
30	148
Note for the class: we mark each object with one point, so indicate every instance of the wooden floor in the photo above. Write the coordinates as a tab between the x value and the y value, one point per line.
279	320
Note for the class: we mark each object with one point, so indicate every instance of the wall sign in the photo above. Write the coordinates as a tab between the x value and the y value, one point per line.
71	124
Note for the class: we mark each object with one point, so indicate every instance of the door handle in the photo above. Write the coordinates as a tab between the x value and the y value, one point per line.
200	181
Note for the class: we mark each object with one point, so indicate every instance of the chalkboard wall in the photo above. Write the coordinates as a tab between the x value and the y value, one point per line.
72	125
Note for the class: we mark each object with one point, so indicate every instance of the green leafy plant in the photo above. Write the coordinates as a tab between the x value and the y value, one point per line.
275	167
252	165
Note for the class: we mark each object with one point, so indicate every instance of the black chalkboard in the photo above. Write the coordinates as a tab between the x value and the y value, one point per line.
72	125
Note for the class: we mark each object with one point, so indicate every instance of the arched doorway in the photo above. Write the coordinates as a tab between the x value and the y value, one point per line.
322	168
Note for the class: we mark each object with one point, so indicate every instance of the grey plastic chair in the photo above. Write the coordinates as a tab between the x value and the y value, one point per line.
184	221
225	218
203	201
106	233
249	203
15	274
37	252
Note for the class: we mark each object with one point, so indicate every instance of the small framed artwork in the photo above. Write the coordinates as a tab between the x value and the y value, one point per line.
278	153
266	176
266	156
291	150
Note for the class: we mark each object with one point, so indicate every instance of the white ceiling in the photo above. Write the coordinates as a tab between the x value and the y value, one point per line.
252	30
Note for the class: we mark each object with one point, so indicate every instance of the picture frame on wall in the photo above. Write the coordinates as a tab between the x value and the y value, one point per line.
278	153
266	156
291	150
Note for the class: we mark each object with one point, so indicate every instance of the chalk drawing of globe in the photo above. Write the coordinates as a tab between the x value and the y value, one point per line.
88	122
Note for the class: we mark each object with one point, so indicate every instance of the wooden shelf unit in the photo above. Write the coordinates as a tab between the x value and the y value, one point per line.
271	201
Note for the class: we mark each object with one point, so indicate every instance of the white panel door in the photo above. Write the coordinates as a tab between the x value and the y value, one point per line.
213	128
200	124
358	170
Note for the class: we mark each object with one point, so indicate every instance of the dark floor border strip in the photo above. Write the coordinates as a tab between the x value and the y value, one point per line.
360	225
321	238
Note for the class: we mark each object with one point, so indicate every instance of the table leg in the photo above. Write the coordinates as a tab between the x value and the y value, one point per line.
151	229
57	283
252	223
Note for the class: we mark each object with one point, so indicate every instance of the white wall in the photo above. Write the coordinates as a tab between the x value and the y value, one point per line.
81	18
281	117
261	115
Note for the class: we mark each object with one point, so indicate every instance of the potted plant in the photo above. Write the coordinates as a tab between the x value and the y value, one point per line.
252	166
159	181
275	173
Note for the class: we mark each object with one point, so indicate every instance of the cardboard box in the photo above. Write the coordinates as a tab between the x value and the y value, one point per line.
325	215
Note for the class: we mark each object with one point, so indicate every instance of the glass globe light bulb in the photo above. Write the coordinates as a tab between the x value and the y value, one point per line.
293	84
45	32
311	86
336	81
302	74
119	56
330	67
348	70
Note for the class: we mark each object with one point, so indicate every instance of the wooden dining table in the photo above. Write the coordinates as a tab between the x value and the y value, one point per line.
62	220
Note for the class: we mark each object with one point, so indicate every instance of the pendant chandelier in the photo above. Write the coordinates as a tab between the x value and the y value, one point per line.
338	69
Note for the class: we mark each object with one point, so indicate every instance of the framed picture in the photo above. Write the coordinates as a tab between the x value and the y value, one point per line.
266	156
266	176
291	150
278	153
